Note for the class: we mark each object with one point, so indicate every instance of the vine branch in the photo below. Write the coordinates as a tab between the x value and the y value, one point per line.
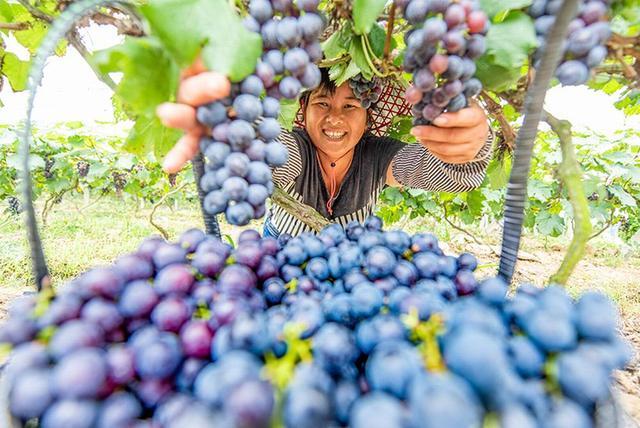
496	111
605	227
302	212
161	229
14	26
571	175
390	24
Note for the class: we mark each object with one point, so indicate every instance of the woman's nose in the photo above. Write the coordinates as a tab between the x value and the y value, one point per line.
334	117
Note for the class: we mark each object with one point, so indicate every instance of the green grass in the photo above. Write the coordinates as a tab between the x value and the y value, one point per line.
75	241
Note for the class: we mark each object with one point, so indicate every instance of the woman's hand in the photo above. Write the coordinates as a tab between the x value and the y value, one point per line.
197	87
456	137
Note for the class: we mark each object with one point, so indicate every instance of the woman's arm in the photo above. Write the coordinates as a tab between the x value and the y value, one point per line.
451	155
293	167
415	166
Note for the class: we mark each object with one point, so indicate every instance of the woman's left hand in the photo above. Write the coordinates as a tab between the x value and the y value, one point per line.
456	137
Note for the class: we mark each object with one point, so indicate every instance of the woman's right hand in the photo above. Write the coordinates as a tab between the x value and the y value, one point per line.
197	87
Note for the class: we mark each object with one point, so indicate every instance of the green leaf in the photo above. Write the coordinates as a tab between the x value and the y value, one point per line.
6	13
493	7
16	71
148	134
288	111
365	14
498	172
475	200
494	77
32	37
393	195
336	45
625	198
149	78
549	224
35	162
349	72
358	56
186	26
377	37
510	41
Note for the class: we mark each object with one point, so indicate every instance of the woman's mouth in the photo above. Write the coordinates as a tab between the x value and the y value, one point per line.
334	135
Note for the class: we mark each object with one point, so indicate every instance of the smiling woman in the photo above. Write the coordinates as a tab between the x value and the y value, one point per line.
339	168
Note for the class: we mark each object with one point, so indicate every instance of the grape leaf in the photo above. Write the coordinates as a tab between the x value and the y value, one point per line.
186	26
288	111
377	37
495	77
358	56
336	45
494	7
350	71
549	224
148	134
16	71
365	14
510	41
6	13
149	78
625	198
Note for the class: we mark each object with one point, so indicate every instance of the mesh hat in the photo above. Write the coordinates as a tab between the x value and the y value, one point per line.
390	104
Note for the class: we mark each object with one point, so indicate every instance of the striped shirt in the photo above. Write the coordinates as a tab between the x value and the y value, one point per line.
412	166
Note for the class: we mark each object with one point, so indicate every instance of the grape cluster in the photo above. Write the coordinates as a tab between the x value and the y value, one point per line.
48	165
83	168
244	126
587	35
172	179
367	91
444	40
355	327
14	207
119	181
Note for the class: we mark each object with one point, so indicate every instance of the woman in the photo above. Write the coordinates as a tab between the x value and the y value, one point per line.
335	165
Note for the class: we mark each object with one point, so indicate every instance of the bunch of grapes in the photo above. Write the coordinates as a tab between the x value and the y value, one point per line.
48	165
367	91
83	168
119	181
14	207
587	35
244	127
444	40
172	179
355	327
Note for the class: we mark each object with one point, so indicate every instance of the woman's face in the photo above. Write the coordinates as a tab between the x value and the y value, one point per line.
335	122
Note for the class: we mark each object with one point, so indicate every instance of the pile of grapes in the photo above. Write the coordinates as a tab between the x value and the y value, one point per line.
242	146
587	35
357	327
442	44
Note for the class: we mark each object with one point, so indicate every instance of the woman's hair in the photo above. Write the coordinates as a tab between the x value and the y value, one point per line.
326	86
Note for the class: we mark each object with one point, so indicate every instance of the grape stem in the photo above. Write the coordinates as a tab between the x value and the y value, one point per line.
14	26
48	205
605	227
160	229
366	48
534	100
390	24
302	212
570	174
496	111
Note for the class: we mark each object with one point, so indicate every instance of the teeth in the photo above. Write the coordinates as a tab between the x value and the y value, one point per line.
336	135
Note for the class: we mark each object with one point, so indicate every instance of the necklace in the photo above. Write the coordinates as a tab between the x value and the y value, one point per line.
333	185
